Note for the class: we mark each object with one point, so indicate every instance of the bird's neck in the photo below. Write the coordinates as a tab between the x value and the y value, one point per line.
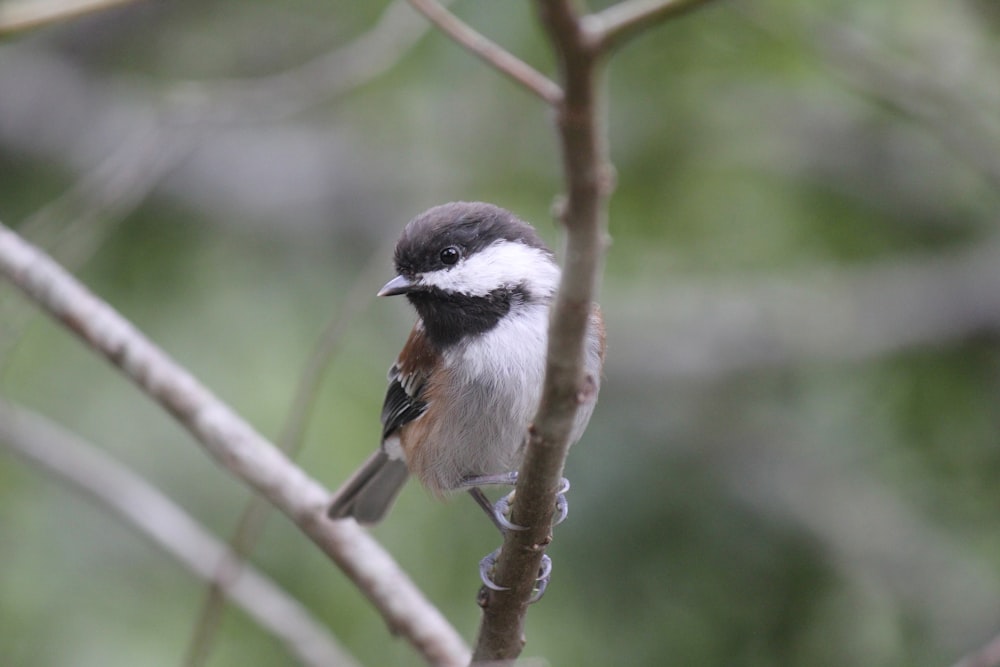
449	317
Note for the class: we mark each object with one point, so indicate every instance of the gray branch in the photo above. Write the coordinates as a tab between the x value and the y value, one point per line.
90	471
234	444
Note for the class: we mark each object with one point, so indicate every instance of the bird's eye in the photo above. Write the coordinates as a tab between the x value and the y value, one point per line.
450	255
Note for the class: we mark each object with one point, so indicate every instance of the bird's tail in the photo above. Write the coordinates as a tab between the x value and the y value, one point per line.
370	492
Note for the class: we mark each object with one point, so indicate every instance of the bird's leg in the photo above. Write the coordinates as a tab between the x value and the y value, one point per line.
499	513
487	506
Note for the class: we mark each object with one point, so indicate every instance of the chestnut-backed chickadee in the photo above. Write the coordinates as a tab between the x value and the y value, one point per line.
468	381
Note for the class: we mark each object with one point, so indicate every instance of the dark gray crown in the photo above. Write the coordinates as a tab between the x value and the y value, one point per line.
469	226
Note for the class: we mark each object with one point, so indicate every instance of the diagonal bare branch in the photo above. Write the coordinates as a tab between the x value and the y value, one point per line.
294	90
985	656
967	127
255	514
494	54
611	27
235	445
141	506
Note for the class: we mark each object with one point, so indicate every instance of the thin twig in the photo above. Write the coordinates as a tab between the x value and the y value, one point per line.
616	24
98	201
962	124
254	516
25	15
142	507
935	101
234	444
494	54
297	89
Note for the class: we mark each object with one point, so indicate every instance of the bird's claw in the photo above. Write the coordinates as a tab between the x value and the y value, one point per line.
500	512
562	505
501	509
542	582
487	564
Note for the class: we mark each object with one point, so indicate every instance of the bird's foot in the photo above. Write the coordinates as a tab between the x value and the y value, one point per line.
488	564
501	509
499	512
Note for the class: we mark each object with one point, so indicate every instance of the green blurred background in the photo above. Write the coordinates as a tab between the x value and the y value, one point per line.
795	455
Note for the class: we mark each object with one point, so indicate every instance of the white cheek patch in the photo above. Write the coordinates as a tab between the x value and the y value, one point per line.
504	263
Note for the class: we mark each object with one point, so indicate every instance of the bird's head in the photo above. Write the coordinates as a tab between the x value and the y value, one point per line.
466	265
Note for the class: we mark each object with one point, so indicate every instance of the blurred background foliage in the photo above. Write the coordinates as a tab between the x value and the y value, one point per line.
795	456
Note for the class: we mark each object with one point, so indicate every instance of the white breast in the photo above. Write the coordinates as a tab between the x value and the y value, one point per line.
493	396
497	379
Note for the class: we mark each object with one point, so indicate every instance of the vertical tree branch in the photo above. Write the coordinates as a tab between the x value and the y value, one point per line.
579	120
580	42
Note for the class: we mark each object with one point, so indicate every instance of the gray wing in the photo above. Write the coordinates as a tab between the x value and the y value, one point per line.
403	401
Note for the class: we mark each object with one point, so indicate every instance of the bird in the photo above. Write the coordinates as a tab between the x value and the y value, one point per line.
466	385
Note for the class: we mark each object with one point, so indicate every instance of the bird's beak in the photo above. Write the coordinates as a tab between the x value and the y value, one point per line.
398	285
